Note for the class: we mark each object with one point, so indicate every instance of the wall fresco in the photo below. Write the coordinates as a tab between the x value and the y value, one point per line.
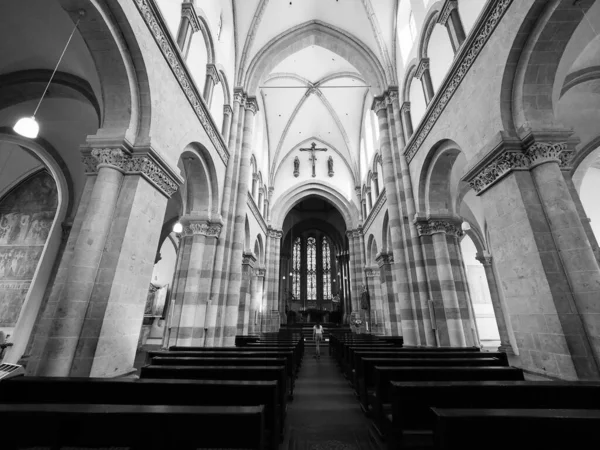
26	215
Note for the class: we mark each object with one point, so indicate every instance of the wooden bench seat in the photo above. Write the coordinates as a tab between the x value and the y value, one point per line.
227	361
253	373
412	401
152	392
136	427
500	429
247	348
366	373
380	398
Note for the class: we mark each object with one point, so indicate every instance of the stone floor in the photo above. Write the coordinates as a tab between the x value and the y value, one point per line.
325	414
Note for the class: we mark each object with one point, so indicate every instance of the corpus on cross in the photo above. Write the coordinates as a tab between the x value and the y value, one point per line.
313	148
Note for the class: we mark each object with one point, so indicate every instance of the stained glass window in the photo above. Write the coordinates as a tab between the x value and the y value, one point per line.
311	268
297	262
326	269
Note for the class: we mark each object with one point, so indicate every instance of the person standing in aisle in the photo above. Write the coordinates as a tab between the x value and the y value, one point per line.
318	337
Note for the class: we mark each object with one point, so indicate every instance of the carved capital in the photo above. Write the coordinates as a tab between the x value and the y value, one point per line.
114	157
543	152
211	71
188	11
260	272
379	104
433	226
227	111
392	95
201	227
484	258
497	168
422	67
383	259
405	108
239	96
447	9
370	272
374	176
255	177
248	258
274	234
251	105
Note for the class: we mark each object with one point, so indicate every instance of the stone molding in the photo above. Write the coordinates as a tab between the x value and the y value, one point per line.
429	227
383	259
381	200
484	258
202	228
248	258
145	164
175	60
251	105
188	11
274	234
446	10
422	67
492	14
211	71
405	108
485	175
257	215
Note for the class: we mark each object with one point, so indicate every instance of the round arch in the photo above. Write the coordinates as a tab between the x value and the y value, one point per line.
428	25
371	250
318	33
296	194
202	196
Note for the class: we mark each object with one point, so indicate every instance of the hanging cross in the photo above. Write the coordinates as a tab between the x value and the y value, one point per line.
313	148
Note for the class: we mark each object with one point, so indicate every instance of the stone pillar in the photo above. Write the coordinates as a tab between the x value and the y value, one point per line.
393	325
406	120
220	261
544	262
424	75
404	307
450	18
191	286
189	25
212	79
448	281
414	251
245	306
497	303
226	127
272	277
379	311
256	288
235	269
104	294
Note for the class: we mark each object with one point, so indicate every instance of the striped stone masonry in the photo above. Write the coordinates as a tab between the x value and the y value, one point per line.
272	276
385	261
248	283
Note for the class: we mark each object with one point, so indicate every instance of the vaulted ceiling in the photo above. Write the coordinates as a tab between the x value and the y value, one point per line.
315	87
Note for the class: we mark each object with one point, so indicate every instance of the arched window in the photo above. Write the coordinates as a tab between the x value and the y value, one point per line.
297	268
326	269
311	269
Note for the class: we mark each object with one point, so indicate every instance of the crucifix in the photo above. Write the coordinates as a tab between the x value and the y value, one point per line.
313	148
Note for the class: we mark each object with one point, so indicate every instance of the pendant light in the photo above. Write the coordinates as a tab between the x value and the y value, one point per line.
28	126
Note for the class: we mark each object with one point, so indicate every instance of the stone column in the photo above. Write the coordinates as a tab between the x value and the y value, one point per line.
235	269
256	288
189	25
411	235
104	294
261	201
378	312
212	79
226	127
544	262
404	307
497	303
220	262
406	120
393	325
450	18
369	198
245	306
272	277
424	75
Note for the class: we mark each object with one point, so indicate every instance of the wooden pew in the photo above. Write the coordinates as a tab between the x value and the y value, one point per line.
412	421
533	429
215	353
380	398
366	379
135	427
227	361
255	373
403	354
248	348
152	392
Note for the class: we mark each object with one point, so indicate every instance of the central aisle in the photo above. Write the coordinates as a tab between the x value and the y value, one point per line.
325	414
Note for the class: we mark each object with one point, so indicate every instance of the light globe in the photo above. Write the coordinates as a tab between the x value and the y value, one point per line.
28	127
